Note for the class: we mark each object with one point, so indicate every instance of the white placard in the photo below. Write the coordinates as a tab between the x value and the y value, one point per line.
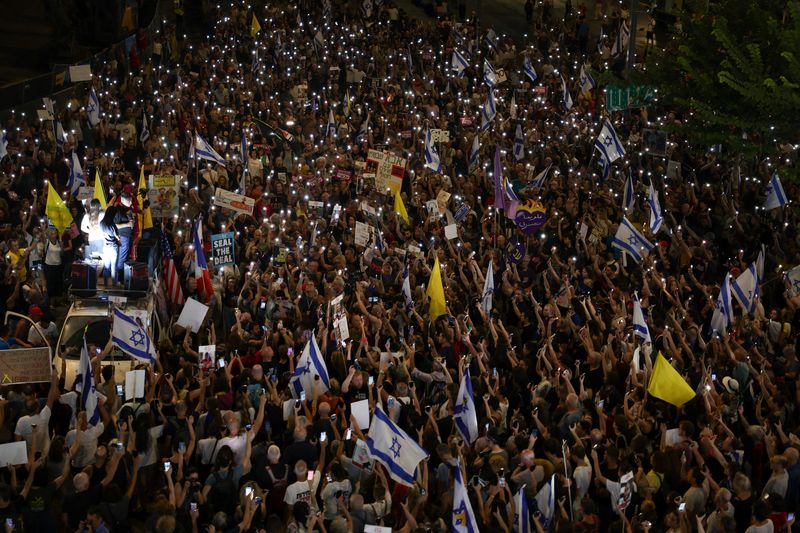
119	300
440	136
13	453
44	114
134	384
80	73
673	437
238	203
360	411
192	315
288	409
369	528
451	231
365	235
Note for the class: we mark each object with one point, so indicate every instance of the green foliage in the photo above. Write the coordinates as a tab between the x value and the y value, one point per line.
734	75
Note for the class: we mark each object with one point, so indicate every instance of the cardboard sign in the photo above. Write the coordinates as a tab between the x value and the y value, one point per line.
80	73
440	136
222	249
281	257
467	121
192	314
365	235
25	365
238	203
13	453
85	193
451	232
501	75
389	170
164	196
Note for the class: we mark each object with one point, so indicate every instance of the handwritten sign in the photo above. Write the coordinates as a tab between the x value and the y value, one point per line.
27	365
389	170
164	194
85	193
235	202
222	249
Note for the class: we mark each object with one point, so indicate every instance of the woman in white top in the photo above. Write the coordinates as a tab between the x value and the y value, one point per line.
90	225
53	265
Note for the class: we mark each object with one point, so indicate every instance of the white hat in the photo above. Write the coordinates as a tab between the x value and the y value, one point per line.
730	384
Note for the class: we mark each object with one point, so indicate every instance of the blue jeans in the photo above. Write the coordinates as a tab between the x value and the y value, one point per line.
125	243
110	261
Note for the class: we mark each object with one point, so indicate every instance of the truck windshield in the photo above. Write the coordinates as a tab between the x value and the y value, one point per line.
97	330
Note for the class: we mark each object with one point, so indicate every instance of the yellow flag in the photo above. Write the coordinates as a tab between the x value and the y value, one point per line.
255	27
56	210
98	189
145	217
435	292
400	207
668	385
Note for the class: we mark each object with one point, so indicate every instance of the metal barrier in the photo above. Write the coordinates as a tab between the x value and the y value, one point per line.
25	96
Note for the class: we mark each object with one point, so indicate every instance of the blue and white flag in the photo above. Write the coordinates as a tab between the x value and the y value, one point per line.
540	178
656	215
567	98
407	290
84	383
243	150
256	60
586	80
606	166
519	144
628	239
145	133
363	131
203	150
491	38
460	63
527	68
775	195
722	309
488	112
640	328
76	177
792	279
623	36
61	136
309	365
628	194
746	288
131	337
93	109
488	290
523	515
512	107
410	62
489	75
330	129
464	520
393	448
474	153
3	144
545	501
319	41
431	154
608	143
466	417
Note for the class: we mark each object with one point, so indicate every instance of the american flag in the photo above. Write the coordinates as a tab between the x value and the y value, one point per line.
170	273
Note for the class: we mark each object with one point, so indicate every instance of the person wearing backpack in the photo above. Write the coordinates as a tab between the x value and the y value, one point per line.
274	476
222	485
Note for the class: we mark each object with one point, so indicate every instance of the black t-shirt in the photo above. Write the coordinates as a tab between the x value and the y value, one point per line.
116	214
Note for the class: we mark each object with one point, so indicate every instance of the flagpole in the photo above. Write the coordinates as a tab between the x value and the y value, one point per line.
566	476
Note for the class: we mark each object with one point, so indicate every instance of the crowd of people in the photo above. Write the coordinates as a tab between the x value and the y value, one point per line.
333	270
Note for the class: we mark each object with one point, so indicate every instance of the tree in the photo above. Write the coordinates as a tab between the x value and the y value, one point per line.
734	76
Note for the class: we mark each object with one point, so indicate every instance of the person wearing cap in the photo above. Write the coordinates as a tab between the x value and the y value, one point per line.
47	326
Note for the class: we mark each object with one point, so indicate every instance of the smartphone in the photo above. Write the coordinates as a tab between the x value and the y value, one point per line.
501	482
193	507
263	305
333	417
601	403
370	381
248	491
119	390
713	377
682	507
290	351
790	517
221	362
348	434
390	403
494	373
267	426
323	436
274	378
258	500
302	396
182	446
167	466
310	476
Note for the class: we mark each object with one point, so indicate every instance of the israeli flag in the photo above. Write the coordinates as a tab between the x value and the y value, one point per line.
488	112
523	518
256	60
527	68
84	383
519	144
567	97
76	177
145	134
132	338
93	109
540	178
606	167
608	143
460	63
623	36
407	290
489	75
545	501
464	520
431	154
491	38
775	195
656	215
640	328
363	131
474	153
394	449
587	81
203	150
512	107
318	42
466	416
628	239
3	145
746	288
61	135
309	365
792	278
330	129
488	290
628	194
722	309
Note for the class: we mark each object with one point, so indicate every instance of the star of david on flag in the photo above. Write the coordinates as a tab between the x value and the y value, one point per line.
131	337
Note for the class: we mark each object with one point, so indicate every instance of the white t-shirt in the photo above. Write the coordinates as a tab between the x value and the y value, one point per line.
84	456
329	497
42	433
237	444
35	339
205	449
303	491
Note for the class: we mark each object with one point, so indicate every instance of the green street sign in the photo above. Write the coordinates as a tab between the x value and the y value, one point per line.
619	98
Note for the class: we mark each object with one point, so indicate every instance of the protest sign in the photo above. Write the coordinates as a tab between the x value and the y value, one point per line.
25	365
192	315
388	168
164	196
222	249
365	235
235	202
85	193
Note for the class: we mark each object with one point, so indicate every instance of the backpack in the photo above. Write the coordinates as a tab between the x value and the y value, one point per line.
222	496
277	493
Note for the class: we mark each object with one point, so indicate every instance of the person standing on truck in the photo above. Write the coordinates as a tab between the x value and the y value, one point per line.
118	229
